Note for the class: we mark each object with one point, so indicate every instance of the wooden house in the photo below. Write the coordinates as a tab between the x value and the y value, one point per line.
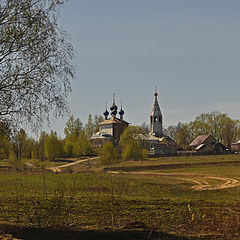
206	144
235	147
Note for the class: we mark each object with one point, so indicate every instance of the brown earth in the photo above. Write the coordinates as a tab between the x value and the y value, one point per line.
57	169
65	234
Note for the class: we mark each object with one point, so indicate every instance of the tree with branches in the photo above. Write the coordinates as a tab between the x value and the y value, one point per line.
35	61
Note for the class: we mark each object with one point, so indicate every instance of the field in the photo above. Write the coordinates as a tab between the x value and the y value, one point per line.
161	198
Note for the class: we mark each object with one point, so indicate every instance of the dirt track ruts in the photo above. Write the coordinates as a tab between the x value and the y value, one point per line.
227	183
57	169
201	184
199	180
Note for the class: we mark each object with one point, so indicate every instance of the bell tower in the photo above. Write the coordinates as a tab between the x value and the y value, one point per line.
156	118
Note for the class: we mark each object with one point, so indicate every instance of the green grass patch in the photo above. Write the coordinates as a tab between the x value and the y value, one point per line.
97	199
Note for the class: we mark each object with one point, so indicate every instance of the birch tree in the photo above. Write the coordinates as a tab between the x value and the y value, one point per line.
35	61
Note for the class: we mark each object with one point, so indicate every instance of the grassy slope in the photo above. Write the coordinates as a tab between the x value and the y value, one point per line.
96	199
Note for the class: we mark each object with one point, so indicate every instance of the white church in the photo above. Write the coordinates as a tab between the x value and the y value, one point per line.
156	142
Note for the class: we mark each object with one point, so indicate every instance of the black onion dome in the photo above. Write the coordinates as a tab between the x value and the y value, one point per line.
106	113
114	112
113	107
121	112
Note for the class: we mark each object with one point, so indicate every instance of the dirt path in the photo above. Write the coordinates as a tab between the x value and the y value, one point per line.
200	180
57	169
226	183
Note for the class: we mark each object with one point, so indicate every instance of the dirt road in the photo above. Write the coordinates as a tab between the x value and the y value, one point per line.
57	169
200	181
224	183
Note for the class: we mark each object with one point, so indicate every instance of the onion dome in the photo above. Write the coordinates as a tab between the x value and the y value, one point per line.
106	113
114	112
113	107
121	112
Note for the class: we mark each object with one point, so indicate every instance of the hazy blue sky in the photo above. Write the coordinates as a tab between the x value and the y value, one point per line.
188	48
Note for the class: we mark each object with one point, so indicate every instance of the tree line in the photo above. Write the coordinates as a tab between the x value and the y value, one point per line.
17	145
219	125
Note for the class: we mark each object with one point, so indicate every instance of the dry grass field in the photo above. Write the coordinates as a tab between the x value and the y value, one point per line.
159	198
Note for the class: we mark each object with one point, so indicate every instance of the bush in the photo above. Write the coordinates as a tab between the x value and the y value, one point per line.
132	147
16	164
108	153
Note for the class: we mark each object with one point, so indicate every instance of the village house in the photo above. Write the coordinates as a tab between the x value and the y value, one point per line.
206	144
155	146
235	147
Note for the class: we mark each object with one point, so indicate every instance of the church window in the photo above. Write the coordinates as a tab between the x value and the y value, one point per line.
155	119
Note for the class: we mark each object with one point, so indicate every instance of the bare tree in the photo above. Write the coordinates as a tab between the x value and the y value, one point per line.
35	61
145	128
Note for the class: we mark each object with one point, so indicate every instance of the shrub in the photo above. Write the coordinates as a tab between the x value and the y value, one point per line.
108	153
131	144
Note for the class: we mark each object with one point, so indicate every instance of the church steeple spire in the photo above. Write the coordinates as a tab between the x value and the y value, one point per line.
156	118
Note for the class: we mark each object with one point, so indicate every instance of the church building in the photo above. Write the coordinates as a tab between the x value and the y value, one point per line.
111	128
156	143
156	119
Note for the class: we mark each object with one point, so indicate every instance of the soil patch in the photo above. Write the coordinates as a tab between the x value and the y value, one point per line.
57	169
65	234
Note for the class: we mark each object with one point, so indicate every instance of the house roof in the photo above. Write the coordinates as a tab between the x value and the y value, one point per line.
199	140
156	109
99	135
147	137
112	121
162	140
200	146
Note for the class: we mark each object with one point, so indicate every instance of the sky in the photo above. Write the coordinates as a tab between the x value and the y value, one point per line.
189	49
